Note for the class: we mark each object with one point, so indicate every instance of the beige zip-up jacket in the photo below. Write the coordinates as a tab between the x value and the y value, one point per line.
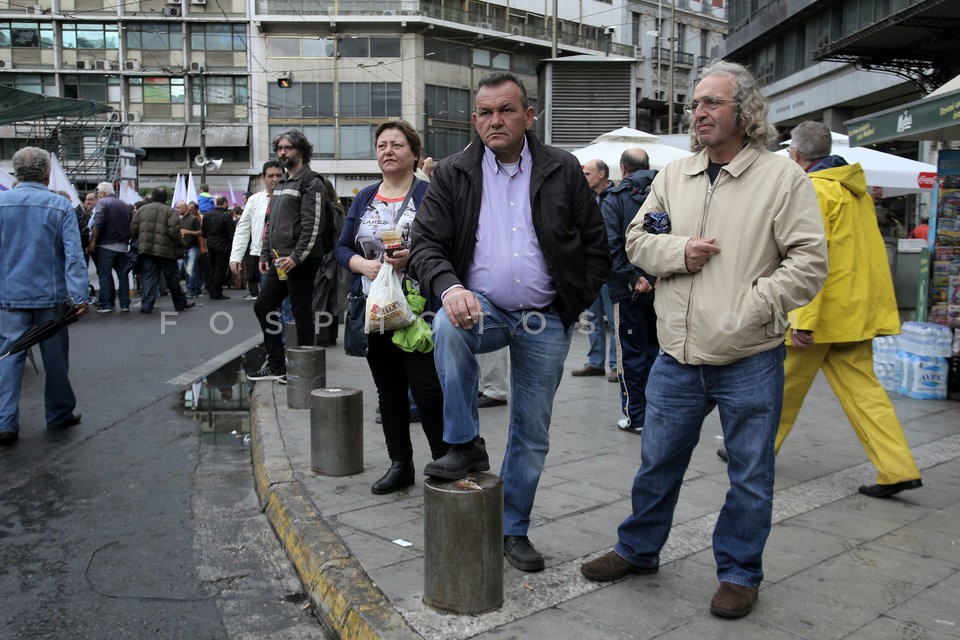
763	211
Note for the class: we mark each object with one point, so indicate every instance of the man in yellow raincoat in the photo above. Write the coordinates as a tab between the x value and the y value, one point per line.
835	331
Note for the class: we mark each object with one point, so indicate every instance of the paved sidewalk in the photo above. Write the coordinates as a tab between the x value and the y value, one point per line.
837	564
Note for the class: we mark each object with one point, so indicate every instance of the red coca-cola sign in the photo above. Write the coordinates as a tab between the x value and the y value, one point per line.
926	180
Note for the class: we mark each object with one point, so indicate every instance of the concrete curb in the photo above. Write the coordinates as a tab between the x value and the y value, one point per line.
346	599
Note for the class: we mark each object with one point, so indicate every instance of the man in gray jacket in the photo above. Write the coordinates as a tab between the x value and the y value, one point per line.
735	237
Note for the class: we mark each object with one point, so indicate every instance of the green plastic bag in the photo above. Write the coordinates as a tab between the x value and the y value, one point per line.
417	336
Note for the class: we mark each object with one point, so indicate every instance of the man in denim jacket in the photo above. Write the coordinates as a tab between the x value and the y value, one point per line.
41	269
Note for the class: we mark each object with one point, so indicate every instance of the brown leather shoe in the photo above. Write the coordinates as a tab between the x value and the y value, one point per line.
733	600
613	377
587	370
612	566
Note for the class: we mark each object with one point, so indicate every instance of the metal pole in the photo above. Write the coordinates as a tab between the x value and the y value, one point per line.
203	124
553	50
673	43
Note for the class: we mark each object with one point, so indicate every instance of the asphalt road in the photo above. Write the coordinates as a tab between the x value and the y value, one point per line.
132	524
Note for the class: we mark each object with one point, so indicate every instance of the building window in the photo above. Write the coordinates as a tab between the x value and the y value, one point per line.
154	37
34	83
301	100
370	47
218	37
26	34
220	90
449	52
447	103
369	100
356	141
158	98
443	141
90	36
296	47
92	87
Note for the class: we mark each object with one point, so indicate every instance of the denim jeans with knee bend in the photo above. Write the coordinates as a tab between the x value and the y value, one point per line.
538	343
748	395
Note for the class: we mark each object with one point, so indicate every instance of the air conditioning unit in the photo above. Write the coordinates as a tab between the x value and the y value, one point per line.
133	116
485	25
113	116
5	63
172	12
131	65
389	12
517	31
34	9
83	64
196	67
200	2
101	65
823	41
114	64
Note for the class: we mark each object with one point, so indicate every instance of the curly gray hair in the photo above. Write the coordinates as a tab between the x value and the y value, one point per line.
751	105
31	164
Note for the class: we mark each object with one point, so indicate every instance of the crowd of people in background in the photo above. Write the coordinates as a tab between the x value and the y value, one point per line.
637	256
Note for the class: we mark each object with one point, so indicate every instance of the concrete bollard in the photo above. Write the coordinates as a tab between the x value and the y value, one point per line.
463	543
290	333
306	371
336	431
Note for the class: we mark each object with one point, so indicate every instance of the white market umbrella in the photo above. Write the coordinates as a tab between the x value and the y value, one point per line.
612	144
890	174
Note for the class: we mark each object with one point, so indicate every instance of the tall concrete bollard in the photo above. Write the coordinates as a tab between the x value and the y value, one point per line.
463	543
306	371
336	431
290	333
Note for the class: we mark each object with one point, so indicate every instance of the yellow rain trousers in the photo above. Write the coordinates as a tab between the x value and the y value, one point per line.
856	304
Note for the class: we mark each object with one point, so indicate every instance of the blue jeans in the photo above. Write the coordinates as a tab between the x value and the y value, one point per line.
597	337
59	399
109	261
538	345
748	394
193	273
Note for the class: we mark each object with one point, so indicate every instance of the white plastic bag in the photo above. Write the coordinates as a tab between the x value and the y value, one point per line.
387	307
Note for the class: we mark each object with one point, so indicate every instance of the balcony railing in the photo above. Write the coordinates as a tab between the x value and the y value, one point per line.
680	57
310	8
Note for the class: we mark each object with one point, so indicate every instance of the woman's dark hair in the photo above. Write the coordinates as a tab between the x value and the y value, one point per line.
404	127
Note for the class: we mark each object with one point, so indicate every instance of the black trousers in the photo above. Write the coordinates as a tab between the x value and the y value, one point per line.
299	286
219	266
253	274
394	371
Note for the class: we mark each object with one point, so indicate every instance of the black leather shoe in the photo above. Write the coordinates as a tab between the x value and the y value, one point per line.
521	554
722	454
460	460
887	490
8	438
399	475
486	401
189	305
72	421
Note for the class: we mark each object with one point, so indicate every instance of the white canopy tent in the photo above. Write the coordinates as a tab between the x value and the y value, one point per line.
612	144
888	174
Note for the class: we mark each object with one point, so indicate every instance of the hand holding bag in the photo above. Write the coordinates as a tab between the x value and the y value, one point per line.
387	307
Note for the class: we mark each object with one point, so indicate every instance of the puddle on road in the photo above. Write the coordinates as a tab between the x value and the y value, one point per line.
220	402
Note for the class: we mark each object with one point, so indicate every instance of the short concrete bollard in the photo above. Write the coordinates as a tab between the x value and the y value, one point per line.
336	431
306	371
290	333
463	543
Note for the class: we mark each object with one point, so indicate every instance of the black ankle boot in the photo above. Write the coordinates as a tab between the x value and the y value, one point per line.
399	475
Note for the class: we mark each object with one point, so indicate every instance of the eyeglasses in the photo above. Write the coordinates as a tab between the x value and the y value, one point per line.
710	103
284	147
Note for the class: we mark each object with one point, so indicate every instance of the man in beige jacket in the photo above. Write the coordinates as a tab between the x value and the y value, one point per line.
735	237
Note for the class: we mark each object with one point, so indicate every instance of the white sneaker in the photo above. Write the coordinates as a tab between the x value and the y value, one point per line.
624	424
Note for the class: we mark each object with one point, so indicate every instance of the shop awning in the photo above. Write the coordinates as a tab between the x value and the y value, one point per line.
935	117
17	106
